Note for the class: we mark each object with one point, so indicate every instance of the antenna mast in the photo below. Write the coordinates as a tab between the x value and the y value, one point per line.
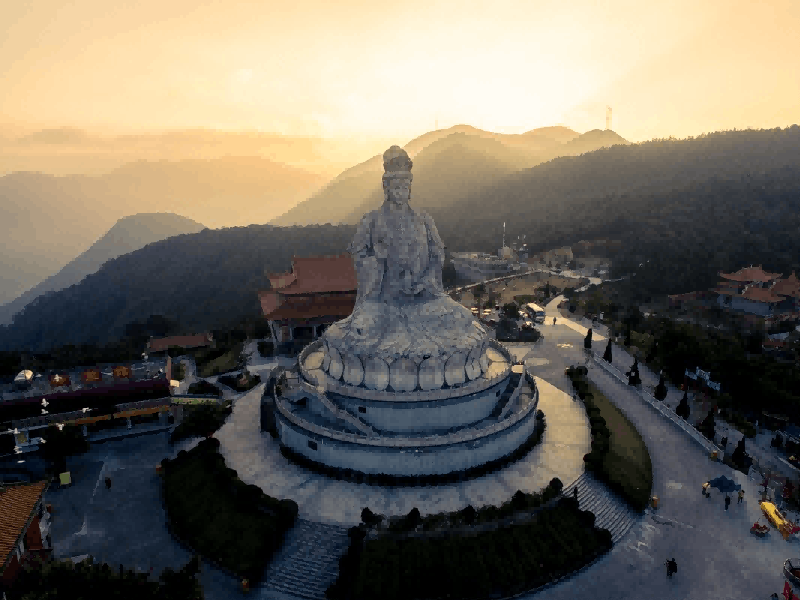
608	117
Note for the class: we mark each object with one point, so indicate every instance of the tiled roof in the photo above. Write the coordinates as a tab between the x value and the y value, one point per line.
315	274
787	287
315	306
183	341
17	503
751	274
761	295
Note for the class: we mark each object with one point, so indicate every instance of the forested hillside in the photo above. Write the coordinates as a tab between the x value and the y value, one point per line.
690	207
203	281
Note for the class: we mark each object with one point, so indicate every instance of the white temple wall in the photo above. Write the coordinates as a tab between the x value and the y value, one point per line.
438	460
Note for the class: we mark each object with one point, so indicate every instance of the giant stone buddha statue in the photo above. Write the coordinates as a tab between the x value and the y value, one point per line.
403	322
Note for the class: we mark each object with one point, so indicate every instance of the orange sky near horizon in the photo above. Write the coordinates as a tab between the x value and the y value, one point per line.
381	69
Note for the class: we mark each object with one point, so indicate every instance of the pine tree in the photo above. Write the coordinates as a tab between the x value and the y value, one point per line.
683	408
587	341
607	353
661	388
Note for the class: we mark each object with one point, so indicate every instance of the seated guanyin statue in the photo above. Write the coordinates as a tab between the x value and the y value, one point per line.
402	312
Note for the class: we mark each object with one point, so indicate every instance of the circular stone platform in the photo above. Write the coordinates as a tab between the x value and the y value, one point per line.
257	459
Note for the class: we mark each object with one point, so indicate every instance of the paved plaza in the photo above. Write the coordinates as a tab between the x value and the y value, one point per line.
717	557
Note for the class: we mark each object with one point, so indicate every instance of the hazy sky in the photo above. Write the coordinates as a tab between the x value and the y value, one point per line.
367	68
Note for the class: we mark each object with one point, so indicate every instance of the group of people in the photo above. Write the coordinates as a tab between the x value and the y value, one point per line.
707	494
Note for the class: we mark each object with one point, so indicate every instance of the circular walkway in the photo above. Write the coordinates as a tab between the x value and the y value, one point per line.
256	457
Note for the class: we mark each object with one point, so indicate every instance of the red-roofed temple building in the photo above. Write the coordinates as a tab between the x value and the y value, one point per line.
318	291
754	291
24	530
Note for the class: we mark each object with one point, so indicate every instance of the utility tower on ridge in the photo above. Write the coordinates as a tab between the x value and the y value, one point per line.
608	117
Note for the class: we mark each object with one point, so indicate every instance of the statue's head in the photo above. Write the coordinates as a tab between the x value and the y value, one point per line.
397	175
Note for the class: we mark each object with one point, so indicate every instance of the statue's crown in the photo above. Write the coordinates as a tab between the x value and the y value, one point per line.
396	162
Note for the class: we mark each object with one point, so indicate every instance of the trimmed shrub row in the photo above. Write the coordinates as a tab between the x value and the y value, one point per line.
201	420
520	501
628	472
229	522
498	562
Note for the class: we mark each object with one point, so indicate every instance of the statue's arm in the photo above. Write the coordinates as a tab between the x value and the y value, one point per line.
432	277
369	268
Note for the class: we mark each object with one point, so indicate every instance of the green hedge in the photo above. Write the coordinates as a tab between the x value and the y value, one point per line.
501	562
90	581
201	420
622	461
233	381
227	521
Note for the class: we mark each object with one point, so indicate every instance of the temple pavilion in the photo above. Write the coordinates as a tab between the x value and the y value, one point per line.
756	291
301	304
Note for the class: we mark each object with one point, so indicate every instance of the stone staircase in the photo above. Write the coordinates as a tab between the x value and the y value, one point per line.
610	510
308	562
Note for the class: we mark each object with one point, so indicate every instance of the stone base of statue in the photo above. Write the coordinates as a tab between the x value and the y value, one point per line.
410	383
396	427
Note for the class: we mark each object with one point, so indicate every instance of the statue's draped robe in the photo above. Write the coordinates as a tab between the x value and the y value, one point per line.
402	309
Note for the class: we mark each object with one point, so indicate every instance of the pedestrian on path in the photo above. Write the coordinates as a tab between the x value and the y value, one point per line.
706	493
108	483
554	320
727	502
741	495
672	568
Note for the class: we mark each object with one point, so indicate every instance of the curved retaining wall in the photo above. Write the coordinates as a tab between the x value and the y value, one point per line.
405	456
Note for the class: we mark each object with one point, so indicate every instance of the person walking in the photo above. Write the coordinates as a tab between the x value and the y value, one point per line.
741	496
108	483
706	493
727	502
554	320
672	568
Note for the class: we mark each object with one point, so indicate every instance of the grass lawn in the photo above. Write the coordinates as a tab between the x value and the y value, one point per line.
627	463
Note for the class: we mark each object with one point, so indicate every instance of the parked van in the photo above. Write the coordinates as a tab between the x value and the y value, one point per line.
536	312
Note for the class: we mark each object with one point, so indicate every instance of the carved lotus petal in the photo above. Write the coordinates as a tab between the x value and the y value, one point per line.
484	361
454	372
473	366
431	374
494	355
353	369
314	360
403	375
326	359
376	373
336	367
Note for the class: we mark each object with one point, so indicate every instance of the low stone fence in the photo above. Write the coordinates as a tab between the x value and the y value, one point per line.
660	407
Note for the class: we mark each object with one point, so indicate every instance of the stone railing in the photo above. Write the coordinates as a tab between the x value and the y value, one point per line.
473	387
404	442
343	414
515	397
698	437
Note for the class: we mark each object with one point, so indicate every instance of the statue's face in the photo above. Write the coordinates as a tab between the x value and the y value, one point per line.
399	190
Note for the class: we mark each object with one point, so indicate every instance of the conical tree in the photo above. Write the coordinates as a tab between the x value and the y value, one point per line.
661	388
738	454
607	353
683	408
587	341
708	426
633	374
